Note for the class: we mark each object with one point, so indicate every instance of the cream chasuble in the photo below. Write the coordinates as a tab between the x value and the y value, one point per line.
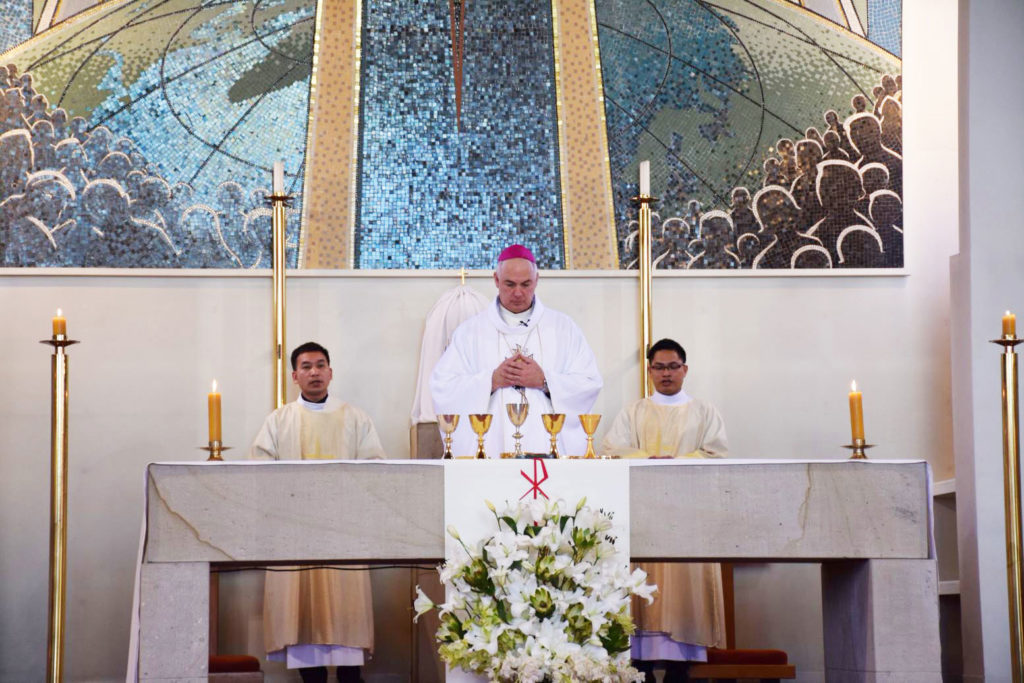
318	606
688	606
461	381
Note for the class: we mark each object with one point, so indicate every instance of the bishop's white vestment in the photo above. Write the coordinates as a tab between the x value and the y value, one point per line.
688	612
461	381
317	617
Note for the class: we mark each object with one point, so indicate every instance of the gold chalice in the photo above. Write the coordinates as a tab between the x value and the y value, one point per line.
517	415
553	423
589	423
480	422
448	422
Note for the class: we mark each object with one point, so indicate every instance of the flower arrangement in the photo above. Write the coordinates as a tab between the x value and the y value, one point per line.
545	598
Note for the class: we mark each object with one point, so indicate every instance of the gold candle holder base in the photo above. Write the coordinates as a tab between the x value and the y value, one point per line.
286	198
858	447
214	448
59	341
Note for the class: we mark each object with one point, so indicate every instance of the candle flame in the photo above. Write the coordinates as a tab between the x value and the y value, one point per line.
853	385
59	313
214	389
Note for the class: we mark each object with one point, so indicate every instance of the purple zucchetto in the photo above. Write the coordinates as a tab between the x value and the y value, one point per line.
516	251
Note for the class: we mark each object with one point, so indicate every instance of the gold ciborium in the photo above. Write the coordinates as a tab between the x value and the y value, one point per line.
448	422
589	423
517	415
553	422
480	422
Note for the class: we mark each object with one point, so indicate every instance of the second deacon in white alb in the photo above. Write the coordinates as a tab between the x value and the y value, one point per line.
514	350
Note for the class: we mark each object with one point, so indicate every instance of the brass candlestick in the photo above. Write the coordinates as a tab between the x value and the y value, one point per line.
553	422
480	422
58	503
589	423
646	275
215	448
858	446
1011	502
448	422
279	203
517	413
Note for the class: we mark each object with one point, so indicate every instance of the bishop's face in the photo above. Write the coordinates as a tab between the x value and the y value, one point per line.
667	372
313	375
516	279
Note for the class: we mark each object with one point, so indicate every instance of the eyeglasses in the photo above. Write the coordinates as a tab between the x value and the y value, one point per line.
659	367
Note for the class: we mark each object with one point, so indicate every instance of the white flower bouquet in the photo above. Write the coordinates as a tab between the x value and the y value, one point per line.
545	598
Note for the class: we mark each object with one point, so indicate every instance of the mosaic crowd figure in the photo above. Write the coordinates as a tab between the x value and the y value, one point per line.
831	199
74	195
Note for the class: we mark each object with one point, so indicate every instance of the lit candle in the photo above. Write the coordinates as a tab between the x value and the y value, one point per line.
278	177
645	178
213	402
60	325
1009	325
856	412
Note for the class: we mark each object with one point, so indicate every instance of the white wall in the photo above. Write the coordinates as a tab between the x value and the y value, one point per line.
988	279
775	354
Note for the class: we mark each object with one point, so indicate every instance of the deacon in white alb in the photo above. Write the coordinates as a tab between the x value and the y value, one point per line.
688	612
315	618
517	350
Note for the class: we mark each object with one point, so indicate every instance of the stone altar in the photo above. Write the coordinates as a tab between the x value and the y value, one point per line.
868	523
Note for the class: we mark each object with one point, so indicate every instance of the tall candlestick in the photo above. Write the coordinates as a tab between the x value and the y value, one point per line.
213	403
60	324
1009	325
645	177
278	177
856	412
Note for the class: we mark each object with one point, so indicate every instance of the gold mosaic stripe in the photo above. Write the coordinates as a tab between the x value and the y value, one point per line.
587	211
329	218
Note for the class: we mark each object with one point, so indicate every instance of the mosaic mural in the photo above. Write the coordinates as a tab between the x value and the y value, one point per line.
774	135
141	133
443	188
136	135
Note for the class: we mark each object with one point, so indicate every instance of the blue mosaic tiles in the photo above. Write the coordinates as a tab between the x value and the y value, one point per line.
144	133
15	23
885	24
433	196
733	96
188	91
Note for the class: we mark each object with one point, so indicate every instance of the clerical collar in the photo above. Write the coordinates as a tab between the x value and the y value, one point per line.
516	319
678	399
313	405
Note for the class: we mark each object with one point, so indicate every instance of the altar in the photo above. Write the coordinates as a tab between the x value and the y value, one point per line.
868	523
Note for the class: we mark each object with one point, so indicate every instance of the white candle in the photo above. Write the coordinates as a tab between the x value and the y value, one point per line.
645	178
278	177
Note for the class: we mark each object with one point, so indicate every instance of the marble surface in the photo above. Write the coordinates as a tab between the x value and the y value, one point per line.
868	523
394	510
